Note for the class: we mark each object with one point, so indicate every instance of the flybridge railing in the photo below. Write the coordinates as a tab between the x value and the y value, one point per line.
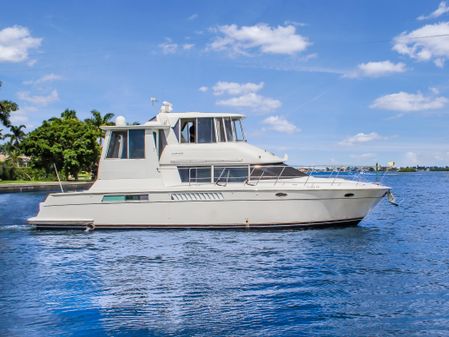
255	174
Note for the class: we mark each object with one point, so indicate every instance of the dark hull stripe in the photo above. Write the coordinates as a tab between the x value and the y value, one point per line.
317	224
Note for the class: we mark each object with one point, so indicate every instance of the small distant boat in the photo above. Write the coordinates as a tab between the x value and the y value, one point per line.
196	170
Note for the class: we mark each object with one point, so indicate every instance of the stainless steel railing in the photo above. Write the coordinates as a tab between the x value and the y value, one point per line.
254	174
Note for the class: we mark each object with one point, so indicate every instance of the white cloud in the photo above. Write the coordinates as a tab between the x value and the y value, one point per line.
443	8
280	124
430	42
187	46
193	17
15	44
234	88
168	47
252	101
46	78
361	138
406	102
270	40
21	116
377	69
38	100
203	88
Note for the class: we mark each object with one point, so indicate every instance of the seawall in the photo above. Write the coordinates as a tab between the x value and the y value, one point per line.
45	186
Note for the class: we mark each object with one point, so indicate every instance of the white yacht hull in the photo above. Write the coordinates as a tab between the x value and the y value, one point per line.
253	207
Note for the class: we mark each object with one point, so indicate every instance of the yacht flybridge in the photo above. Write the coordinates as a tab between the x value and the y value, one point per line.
196	170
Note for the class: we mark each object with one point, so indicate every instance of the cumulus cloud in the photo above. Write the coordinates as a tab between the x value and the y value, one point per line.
234	88
203	88
38	100
361	138
15	44
427	43
280	124
252	101
261	37
377	69
45	78
443	8
407	102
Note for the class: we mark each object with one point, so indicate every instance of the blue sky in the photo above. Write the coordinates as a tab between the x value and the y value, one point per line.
353	82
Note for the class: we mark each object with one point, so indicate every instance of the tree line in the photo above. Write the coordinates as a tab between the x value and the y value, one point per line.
66	142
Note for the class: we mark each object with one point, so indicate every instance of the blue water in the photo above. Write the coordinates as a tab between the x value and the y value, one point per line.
389	276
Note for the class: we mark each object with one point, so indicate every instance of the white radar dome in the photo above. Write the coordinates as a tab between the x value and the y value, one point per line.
120	121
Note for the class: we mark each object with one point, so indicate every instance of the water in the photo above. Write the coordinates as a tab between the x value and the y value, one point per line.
388	276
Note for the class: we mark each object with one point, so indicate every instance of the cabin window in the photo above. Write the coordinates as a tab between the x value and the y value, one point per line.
195	174
230	174
127	144
220	130
188	131
228	129
118	145
238	129
125	197
136	144
206	130
277	171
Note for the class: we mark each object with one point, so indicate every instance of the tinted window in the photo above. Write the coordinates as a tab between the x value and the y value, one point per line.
274	171
118	145
238	129
230	174
220	130
194	174
228	129
206	130
136	144
188	131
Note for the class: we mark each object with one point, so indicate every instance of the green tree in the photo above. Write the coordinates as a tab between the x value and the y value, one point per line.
6	107
67	142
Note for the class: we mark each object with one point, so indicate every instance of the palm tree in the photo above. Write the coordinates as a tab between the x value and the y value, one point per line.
16	135
98	120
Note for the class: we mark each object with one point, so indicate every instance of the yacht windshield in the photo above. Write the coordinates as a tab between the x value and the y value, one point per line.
277	171
209	130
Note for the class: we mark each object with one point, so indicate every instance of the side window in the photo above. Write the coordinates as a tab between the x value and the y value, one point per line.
118	145
238	129
228	129
230	174
206	130
220	130
136	144
188	131
195	174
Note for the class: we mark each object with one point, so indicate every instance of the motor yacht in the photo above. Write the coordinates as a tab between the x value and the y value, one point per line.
197	170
